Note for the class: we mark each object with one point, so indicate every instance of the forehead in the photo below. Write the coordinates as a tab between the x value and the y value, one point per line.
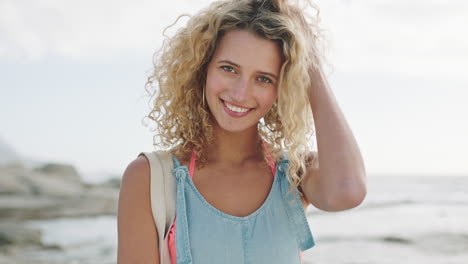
249	51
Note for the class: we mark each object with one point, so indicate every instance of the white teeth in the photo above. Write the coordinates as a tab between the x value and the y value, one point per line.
235	108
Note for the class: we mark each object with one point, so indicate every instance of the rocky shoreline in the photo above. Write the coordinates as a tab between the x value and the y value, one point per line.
46	192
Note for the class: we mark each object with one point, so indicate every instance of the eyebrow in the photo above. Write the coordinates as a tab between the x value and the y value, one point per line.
237	65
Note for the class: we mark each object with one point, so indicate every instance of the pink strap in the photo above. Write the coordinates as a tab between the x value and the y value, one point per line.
192	164
271	163
171	242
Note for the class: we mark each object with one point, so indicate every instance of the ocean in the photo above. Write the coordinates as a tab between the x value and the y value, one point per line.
402	220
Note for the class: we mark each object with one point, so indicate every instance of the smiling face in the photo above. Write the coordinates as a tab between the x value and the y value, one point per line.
241	81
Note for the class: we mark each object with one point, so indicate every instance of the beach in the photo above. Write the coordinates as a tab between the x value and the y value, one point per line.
403	220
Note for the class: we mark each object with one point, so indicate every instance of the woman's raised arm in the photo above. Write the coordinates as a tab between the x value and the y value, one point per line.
339	182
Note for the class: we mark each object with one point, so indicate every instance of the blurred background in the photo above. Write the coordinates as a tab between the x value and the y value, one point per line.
72	102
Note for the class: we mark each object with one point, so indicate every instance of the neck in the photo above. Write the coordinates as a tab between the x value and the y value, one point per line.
234	148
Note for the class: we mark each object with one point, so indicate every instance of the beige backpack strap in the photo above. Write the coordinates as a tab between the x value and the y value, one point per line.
170	187
163	194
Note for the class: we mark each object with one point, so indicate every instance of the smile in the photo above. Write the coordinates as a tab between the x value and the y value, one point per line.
234	110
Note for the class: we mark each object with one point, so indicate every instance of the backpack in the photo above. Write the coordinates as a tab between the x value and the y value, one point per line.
163	197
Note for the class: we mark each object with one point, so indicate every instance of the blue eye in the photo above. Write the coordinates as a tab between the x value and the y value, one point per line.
264	79
228	68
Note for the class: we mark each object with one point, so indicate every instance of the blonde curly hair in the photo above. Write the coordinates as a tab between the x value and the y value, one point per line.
184	122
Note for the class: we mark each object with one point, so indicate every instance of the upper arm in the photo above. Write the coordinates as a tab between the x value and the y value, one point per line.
310	184
328	192
137	234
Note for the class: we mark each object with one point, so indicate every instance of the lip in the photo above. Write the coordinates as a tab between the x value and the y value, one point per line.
232	113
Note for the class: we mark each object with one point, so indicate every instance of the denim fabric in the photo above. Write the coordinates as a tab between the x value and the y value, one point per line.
273	234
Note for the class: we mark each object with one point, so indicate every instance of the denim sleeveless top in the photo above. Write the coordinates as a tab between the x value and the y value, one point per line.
276	233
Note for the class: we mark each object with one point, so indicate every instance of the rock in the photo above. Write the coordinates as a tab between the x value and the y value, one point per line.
25	207
62	171
12	180
12	233
21	244
53	185
53	190
112	183
57	180
90	202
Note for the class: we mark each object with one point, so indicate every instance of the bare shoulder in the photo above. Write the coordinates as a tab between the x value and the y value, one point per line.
137	234
139	166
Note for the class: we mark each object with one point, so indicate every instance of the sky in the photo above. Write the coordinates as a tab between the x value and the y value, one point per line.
72	77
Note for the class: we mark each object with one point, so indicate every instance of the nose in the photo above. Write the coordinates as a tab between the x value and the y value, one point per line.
240	91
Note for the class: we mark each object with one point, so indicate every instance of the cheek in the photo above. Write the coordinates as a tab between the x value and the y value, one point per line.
269	97
214	84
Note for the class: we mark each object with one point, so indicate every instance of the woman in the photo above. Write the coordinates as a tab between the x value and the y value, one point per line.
238	88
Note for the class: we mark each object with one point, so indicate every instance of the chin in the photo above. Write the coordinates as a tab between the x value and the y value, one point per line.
235	128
